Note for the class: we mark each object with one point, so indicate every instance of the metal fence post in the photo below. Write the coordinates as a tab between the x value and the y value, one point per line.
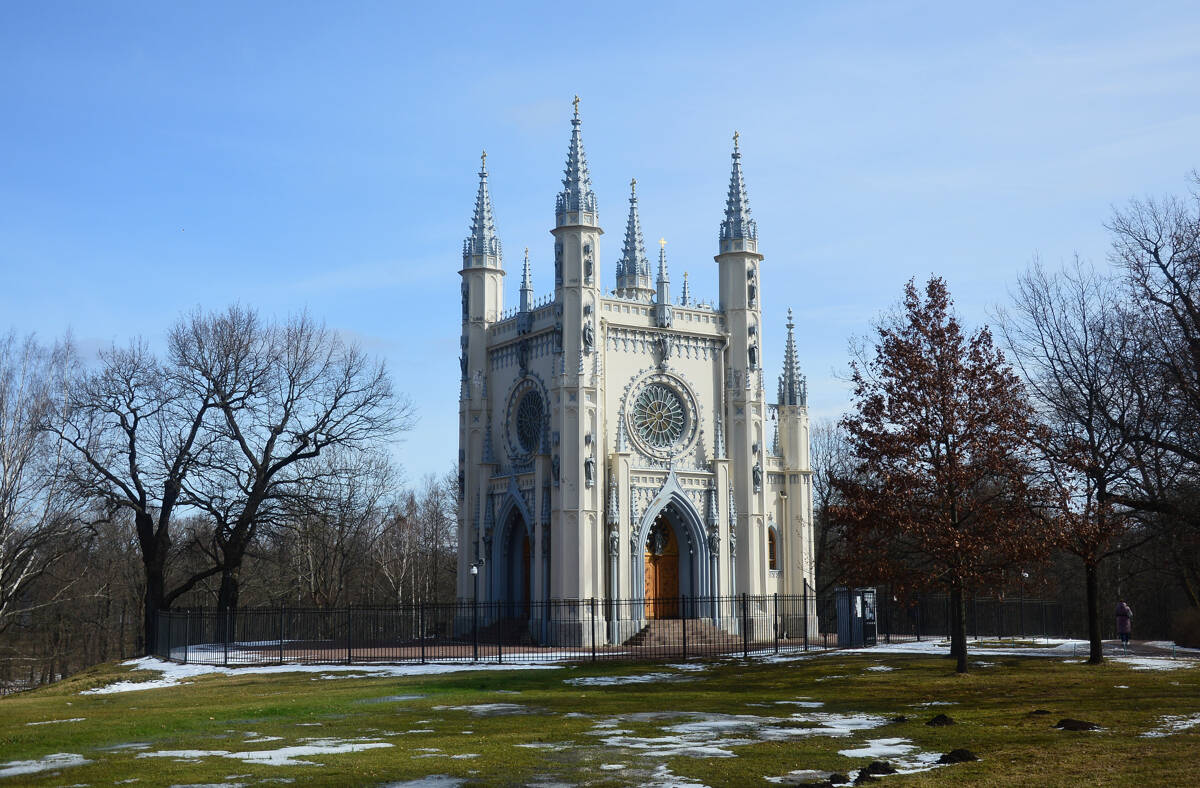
187	633
775	616
593	629
804	601
684	621
474	629
349	645
745	628
228	618
421	628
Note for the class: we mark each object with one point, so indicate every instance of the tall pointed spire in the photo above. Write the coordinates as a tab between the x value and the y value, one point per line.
526	285
633	269
577	196
793	388
685	299
482	242
738	225
662	310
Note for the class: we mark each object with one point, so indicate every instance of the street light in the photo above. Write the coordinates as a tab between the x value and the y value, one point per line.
475	609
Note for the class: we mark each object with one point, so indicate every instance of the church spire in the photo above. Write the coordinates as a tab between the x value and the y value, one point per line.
633	269
526	285
793	388
686	298
577	196
738	225
482	241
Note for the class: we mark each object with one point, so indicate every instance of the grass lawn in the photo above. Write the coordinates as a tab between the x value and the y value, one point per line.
717	723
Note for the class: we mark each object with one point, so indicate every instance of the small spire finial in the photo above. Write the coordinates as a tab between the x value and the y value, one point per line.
576	103
633	186
662	242
527	260
735	140
483	159
790	324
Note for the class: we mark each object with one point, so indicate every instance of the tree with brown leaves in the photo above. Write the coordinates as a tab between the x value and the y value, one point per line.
942	436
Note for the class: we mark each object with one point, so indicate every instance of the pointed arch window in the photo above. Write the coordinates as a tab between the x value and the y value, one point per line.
772	549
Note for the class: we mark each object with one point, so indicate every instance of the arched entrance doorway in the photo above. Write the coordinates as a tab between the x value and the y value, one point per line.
516	567
662	570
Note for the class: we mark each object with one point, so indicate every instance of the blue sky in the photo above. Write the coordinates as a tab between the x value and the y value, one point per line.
159	156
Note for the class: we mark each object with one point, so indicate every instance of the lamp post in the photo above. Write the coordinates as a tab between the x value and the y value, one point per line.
475	610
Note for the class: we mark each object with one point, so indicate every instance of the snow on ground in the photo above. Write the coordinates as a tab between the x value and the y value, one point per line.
1155	663
283	756
1173	723
880	748
1169	645
488	708
612	681
51	722
59	760
432	781
881	668
174	674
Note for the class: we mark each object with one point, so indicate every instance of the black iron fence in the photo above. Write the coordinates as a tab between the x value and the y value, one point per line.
586	629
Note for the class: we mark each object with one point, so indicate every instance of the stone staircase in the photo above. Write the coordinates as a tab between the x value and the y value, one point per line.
669	632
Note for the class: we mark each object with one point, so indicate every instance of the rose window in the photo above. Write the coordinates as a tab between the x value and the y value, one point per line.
530	415
659	416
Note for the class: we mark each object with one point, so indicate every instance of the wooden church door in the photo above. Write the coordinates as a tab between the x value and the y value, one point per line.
662	572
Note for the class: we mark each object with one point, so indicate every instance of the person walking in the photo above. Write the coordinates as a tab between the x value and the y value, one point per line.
1124	623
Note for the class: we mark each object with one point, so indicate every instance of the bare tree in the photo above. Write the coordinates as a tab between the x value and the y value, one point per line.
38	518
281	396
1069	340
831	458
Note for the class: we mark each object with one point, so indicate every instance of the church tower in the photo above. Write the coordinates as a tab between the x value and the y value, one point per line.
576	410
738	263
796	502
482	303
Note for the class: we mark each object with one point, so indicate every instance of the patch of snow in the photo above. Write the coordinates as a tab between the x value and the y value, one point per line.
881	668
173	674
881	748
804	704
488	708
612	681
805	775
693	667
1155	663
611	767
420	730
1170	645
432	781
1121	686
937	703
829	678
1171	724
51	722
979	663
283	756
58	760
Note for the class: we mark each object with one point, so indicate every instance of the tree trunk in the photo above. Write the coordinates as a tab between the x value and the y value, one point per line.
1096	653
227	596
958	629
154	600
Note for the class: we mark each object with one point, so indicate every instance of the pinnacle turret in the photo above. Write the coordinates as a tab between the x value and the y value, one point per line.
633	269
793	388
526	285
738	225
577	196
482	241
663	316
685	299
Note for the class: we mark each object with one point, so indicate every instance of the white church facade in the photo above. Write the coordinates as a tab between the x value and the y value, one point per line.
616	442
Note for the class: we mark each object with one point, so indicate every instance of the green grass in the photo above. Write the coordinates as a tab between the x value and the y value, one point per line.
991	708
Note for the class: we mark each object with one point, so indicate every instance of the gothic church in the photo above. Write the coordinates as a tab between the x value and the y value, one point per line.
618	444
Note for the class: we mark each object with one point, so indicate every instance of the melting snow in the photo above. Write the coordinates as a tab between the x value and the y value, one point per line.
284	756
1173	723
881	748
432	781
1154	663
173	674
59	760
488	708
642	678
51	722
881	668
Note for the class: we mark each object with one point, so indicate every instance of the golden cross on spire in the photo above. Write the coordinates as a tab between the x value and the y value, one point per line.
576	103
662	243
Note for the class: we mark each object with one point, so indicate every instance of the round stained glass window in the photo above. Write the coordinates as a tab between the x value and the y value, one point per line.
530	416
659	416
